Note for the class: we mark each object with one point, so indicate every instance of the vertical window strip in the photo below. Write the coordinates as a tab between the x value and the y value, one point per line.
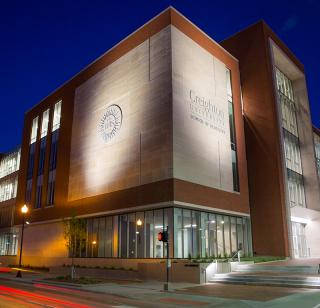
56	116
235	171
34	130
292	153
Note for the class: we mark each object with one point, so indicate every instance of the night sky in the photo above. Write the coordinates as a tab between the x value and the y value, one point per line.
44	43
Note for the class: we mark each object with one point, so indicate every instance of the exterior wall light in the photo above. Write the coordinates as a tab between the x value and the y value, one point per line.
139	222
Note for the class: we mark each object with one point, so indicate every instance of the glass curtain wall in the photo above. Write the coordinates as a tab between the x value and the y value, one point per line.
291	140
233	142
317	149
8	244
9	163
196	234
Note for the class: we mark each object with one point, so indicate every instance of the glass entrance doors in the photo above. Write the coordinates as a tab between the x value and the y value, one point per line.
300	249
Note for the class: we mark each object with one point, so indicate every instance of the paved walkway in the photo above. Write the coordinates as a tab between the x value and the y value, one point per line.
186	294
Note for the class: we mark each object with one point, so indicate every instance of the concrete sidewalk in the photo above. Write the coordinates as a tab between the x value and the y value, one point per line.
185	294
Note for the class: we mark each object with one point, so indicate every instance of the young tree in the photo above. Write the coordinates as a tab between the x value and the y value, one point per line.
75	236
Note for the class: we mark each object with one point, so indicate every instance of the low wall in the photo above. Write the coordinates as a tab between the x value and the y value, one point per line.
180	271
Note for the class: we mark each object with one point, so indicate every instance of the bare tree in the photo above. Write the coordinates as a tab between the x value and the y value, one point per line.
75	238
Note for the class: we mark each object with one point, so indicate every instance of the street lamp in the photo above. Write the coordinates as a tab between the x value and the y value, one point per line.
24	211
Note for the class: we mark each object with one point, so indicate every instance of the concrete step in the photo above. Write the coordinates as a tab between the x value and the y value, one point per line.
285	281
276	268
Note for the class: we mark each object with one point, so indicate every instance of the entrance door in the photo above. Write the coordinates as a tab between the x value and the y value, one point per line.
299	240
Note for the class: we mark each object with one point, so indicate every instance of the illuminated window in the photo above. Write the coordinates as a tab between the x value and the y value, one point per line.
34	130
291	145
9	163
56	116
8	189
45	123
232	133
317	149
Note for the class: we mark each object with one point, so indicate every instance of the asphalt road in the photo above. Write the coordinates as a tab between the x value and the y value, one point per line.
19	295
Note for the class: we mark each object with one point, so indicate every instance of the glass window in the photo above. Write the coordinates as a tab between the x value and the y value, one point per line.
149	227
108	237
132	235
227	239
34	130
158	222
51	187
220	237
8	244
101	237
187	234
8	189
240	235
233	142
89	237
178	240
196	234
32	150
94	238
45	123
37	204
213	246
196	248
54	150
317	150
292	152
123	236
204	235
233	234
56	116
115	236
140	223
296	189
9	163
42	155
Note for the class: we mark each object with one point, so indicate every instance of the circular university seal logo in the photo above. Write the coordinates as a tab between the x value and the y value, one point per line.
110	122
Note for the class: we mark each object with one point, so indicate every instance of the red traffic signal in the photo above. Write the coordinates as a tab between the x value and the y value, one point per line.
163	236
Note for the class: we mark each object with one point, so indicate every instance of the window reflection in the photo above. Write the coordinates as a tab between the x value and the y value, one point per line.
194	234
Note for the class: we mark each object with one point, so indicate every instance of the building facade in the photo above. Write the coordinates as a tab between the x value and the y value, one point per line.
283	182
153	132
156	134
9	169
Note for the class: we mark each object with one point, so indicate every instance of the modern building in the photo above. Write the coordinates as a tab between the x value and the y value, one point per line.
9	169
283	182
157	133
151	132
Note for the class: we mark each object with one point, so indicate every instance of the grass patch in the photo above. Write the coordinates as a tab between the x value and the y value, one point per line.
256	259
261	259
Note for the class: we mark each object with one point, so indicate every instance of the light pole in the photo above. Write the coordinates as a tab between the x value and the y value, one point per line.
24	211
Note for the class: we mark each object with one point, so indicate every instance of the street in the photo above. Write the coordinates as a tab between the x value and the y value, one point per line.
14	294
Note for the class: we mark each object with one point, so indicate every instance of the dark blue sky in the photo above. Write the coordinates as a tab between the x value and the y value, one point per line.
44	43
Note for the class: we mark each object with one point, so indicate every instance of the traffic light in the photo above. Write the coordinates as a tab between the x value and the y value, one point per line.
163	236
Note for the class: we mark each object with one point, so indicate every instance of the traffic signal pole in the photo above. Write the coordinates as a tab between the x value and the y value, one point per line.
166	285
